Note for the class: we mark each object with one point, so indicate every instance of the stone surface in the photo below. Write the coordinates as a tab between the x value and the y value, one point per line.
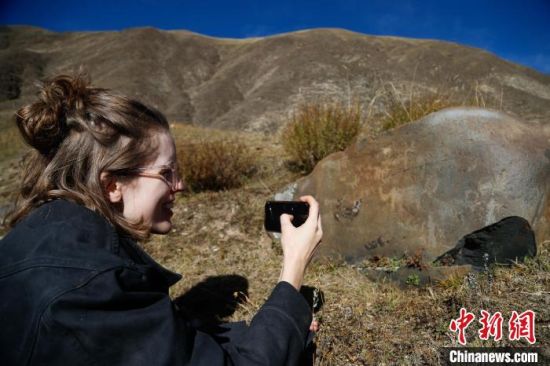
423	186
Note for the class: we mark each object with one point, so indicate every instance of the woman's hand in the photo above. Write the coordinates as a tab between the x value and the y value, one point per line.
314	326
299	243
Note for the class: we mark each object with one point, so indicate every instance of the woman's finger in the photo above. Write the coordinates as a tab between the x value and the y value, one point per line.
313	208
286	222
319	225
314	326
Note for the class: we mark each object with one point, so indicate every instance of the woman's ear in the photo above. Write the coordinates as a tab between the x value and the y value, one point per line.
112	188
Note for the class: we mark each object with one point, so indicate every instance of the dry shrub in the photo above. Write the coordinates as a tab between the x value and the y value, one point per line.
416	261
215	165
319	129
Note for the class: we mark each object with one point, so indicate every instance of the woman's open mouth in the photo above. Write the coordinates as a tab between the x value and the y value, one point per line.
168	207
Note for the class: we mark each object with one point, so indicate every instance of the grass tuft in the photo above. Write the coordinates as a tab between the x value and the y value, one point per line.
401	110
402	107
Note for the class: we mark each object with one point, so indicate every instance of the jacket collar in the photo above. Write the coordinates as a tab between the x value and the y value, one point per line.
116	243
129	245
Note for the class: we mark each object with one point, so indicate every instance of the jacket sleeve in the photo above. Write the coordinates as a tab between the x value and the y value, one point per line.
116	319
277	334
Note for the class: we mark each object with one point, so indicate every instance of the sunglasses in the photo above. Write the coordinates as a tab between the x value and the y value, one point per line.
167	173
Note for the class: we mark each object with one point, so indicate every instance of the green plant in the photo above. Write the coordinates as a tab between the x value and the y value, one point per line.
413	279
215	165
319	129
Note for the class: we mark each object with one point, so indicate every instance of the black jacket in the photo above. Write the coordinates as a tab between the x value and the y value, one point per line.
74	292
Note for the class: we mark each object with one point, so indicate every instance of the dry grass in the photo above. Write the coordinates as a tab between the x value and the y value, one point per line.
399	111
217	234
319	129
11	143
402	106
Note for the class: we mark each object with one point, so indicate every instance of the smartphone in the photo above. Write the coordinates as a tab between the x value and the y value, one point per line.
274	210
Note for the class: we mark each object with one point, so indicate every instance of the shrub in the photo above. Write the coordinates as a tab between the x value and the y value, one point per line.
416	261
215	165
319	129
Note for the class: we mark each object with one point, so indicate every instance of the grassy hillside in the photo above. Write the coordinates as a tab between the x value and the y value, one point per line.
218	243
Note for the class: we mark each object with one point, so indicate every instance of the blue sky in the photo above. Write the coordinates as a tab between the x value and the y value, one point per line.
515	30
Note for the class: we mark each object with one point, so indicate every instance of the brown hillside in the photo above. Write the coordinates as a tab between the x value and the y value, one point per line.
253	84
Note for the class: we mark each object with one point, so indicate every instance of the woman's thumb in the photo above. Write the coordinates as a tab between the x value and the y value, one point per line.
286	220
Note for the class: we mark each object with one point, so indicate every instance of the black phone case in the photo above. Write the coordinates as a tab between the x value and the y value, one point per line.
274	209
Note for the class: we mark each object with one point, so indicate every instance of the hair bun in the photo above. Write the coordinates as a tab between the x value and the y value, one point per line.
43	123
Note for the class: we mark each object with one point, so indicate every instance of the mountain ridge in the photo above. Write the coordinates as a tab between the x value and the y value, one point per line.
255	83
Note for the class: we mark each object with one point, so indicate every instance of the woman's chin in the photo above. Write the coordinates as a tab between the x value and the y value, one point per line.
161	228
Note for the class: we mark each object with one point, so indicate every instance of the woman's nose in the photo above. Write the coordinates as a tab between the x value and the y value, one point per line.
179	186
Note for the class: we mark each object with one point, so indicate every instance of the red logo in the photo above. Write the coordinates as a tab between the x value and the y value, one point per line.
492	325
522	326
461	324
519	326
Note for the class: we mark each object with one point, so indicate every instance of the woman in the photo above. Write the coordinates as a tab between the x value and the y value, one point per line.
76	289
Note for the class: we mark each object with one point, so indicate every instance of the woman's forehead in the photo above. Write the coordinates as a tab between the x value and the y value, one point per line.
166	150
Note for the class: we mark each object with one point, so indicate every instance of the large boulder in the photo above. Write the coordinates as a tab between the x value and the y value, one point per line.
423	186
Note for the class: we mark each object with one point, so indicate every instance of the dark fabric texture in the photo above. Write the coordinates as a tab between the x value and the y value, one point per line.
511	239
74	292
